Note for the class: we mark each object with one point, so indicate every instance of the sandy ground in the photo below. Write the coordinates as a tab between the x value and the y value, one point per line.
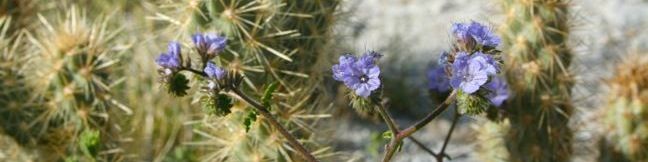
411	33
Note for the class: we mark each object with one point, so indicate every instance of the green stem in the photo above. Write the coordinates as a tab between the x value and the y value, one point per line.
390	149
264	111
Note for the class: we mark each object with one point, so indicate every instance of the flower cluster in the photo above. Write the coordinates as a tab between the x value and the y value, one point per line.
207	46
359	74
473	70
475	33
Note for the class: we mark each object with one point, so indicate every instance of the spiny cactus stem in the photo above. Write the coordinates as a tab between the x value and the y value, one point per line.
264	111
442	153
390	149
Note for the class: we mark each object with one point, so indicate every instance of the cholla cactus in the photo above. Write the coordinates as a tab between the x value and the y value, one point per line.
70	83
624	116
491	140
21	11
537	60
268	41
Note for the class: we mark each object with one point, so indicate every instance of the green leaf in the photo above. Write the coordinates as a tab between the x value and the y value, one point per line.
267	94
249	119
387	135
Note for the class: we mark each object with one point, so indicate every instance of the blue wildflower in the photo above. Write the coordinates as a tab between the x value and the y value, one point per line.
475	32
359	74
209	44
171	59
468	73
438	79
214	71
498	91
490	66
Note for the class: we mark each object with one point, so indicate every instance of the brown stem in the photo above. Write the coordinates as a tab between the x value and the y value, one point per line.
391	147
447	139
264	111
422	146
387	118
198	72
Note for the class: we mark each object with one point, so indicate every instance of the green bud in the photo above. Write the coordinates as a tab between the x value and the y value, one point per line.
471	104
178	84
218	104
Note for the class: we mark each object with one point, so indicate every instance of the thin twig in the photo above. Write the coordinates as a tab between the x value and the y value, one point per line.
264	111
422	146
387	118
391	146
198	72
447	139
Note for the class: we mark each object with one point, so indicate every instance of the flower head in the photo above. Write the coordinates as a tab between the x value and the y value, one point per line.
359	74
438	79
214	71
468	73
209	44
477	32
490	66
498	91
171	59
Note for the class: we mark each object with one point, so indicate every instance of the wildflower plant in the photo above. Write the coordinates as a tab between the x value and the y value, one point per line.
470	69
220	85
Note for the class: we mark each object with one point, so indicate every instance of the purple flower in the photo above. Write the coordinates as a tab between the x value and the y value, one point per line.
359	74
498	91
209	44
475	32
468	73
438	79
171	59
491	66
214	71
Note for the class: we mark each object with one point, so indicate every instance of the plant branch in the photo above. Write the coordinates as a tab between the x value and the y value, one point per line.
447	139
390	148
197	72
388	119
422	146
264	111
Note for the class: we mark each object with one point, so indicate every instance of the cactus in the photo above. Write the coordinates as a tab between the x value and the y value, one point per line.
492	142
64	76
624	115
21	11
537	57
268	41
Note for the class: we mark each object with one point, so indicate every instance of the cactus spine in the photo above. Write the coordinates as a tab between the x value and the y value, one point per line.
537	58
61	79
624	116
269	41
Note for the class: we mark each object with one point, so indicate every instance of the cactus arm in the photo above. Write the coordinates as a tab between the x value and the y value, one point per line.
390	148
264	111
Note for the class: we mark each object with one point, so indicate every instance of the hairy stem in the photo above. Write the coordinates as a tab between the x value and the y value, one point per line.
447	139
428	150
197	72
390	149
388	119
264	111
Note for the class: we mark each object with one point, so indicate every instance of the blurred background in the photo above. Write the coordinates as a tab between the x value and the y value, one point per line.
79	82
